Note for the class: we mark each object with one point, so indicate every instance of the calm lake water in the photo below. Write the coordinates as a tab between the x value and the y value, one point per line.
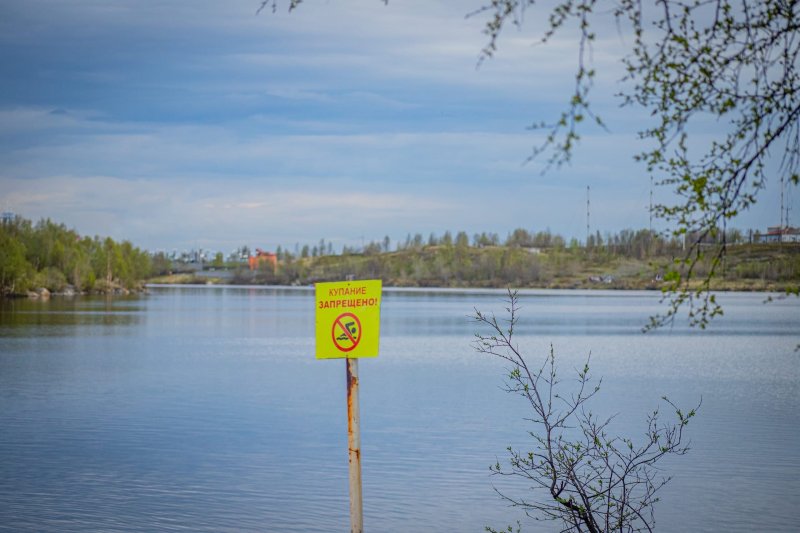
203	409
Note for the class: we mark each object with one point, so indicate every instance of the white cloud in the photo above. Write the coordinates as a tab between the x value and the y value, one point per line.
161	214
174	122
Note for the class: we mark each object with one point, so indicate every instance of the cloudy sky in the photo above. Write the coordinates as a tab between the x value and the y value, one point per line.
179	124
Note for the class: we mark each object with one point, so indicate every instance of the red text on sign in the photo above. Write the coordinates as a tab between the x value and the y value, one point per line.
354	302
347	291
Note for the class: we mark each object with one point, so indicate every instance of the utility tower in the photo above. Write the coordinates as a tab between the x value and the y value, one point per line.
651	205
587	216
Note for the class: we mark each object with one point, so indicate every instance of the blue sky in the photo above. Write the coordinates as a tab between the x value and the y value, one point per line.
179	124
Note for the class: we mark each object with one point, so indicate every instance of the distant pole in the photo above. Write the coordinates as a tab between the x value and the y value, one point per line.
587	216
651	204
780	229
354	445
788	209
782	187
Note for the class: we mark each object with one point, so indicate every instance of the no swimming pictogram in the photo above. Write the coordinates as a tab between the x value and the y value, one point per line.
346	332
347	319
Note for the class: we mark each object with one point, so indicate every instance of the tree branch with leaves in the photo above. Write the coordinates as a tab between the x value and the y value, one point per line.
736	63
733	63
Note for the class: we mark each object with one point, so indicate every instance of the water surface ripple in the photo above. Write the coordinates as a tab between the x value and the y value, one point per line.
203	409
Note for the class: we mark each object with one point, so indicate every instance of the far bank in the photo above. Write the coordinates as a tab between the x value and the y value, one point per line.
745	267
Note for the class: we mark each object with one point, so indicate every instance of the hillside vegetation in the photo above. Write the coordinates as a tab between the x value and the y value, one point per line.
47	255
628	260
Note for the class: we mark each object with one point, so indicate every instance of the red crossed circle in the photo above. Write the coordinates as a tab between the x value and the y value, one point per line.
340	325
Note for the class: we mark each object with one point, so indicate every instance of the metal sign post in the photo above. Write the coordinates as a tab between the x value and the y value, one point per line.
348	326
354	445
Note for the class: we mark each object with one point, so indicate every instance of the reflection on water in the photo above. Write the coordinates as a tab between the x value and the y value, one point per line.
203	409
68	316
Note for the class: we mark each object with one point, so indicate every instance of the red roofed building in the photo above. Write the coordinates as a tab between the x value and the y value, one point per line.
778	234
261	258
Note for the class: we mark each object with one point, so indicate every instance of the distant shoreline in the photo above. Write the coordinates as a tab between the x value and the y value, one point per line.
717	286
45	294
746	267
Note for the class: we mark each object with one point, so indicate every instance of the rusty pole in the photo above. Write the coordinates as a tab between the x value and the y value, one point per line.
354	445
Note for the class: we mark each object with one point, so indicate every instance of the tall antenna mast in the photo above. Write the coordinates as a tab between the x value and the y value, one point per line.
587	216
788	208
782	187
651	204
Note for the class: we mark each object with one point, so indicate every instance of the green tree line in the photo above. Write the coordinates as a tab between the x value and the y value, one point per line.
48	255
627	259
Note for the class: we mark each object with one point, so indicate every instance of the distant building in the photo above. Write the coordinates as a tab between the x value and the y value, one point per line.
779	234
8	217
261	258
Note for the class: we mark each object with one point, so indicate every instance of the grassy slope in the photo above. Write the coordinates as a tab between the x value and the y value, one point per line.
746	267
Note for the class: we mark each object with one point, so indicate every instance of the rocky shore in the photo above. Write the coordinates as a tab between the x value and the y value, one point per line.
43	293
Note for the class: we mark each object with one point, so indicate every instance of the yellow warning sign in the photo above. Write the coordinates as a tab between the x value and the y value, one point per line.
348	319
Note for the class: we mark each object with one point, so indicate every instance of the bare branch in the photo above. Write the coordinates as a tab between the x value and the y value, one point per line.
580	475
